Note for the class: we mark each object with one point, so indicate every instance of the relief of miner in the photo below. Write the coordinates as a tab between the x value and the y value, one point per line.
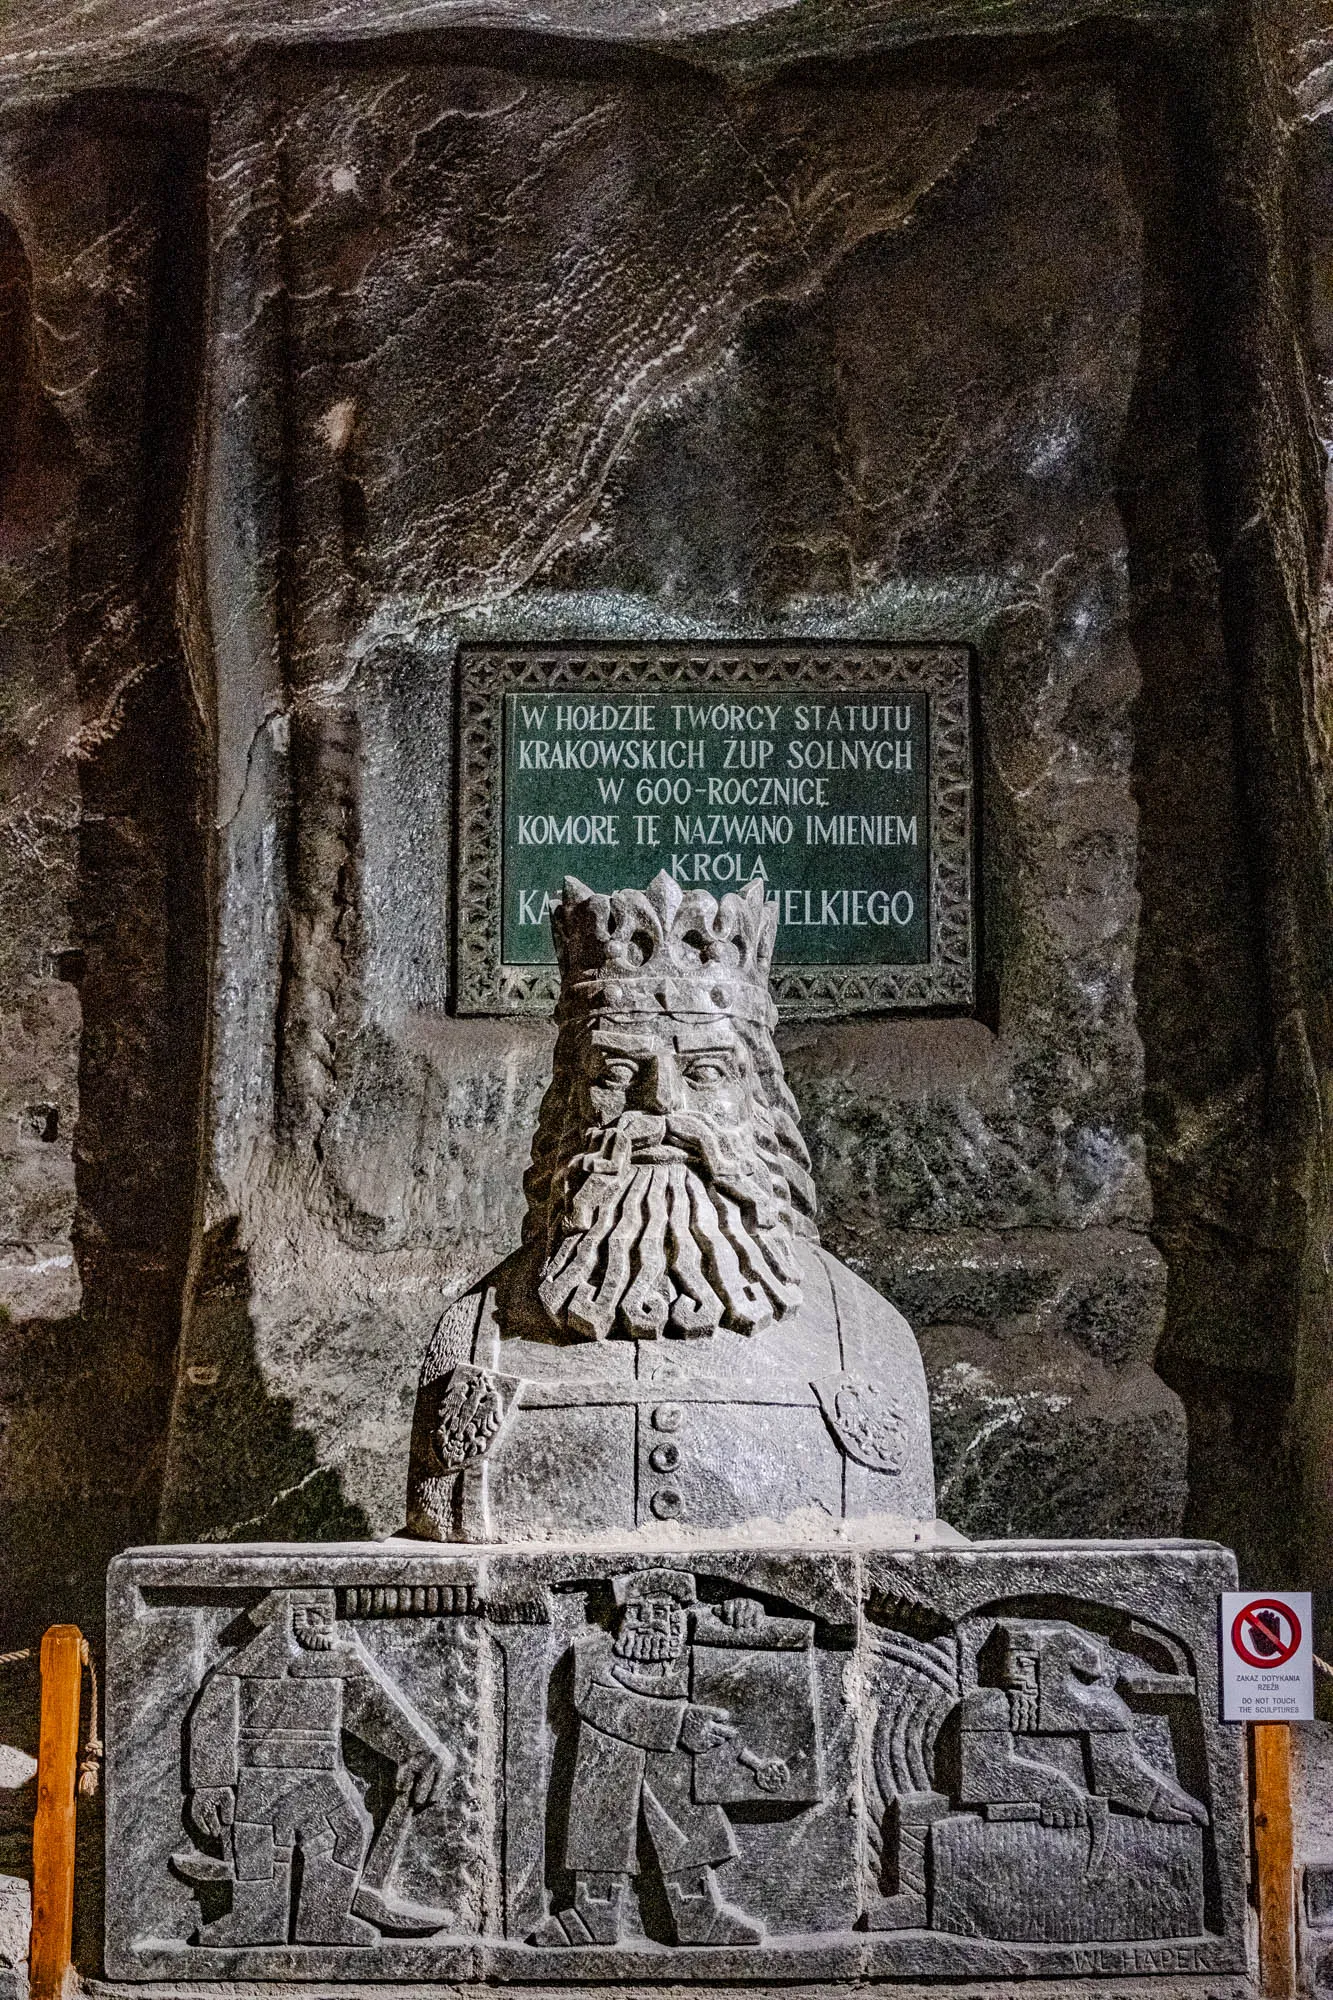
670	1343
1053	1681
653	1751
268	1783
1074	1826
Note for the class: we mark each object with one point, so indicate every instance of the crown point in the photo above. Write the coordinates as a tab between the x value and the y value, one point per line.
664	950
666	892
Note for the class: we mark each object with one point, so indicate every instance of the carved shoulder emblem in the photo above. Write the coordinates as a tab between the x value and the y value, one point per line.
867	1422
468	1416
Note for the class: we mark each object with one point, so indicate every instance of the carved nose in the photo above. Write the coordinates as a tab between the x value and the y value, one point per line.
659	1086
643	1131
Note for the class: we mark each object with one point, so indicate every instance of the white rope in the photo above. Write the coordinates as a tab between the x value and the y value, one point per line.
89	1769
93	1747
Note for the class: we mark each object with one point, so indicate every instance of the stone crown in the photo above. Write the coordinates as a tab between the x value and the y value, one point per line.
666	950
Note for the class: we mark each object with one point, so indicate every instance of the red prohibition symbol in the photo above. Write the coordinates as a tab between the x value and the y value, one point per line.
1257	1632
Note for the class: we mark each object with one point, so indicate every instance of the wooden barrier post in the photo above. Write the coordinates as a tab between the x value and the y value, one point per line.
1275	1876
53	1827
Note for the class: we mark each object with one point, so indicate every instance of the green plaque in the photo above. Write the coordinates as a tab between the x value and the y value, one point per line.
840	777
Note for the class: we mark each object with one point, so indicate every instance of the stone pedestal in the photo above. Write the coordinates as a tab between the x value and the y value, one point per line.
395	1762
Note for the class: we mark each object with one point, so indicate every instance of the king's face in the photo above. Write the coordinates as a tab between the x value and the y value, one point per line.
665	1065
664	1214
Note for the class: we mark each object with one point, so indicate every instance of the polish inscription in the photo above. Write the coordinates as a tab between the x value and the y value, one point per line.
838	776
823	799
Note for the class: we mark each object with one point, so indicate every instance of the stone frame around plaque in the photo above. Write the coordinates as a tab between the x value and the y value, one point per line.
487	672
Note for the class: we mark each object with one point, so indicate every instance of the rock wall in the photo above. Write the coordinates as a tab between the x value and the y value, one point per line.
597	354
334	338
103	901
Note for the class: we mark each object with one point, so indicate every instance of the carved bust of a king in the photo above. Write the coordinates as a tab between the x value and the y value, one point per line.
670	1346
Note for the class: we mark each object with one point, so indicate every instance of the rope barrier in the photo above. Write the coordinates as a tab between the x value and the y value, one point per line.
93	1747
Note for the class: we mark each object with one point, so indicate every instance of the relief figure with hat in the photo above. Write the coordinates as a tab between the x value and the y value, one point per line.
664	1738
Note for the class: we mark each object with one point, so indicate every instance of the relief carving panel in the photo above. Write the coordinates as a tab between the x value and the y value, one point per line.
407	1763
1020	1794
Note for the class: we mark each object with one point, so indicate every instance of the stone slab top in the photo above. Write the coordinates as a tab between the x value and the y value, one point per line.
839	1536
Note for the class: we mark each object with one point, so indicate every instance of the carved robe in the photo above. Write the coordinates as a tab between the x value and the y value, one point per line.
535	1437
629	1759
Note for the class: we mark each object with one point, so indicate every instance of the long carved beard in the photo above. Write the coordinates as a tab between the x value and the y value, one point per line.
648	1648
671	1247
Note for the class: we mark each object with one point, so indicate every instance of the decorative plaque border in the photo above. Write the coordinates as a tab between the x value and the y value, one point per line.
488	672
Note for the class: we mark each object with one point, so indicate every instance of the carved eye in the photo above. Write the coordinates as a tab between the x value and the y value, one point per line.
617	1075
709	1071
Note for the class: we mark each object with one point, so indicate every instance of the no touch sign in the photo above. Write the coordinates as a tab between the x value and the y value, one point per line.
1267	1656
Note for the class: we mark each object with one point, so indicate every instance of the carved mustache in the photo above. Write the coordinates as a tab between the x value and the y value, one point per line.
649	1647
641	1137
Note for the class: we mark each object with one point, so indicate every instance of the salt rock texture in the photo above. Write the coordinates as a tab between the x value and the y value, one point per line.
102	905
644	380
338	335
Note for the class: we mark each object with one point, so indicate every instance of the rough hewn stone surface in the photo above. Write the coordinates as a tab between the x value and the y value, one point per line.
580	354
1001	323
709	435
1077	361
103	44
102	921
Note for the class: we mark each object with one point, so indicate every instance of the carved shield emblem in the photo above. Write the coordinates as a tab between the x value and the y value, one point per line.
468	1417
868	1424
